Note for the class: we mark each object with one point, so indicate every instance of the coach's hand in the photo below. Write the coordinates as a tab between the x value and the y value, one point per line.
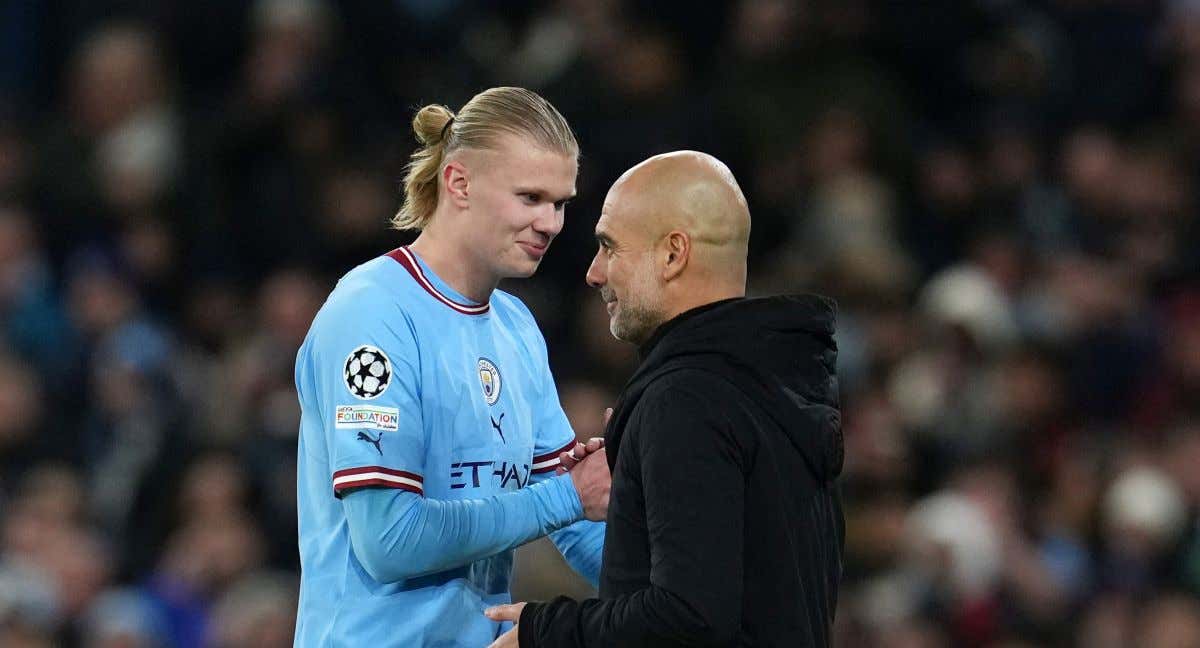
511	612
567	460
571	458
593	481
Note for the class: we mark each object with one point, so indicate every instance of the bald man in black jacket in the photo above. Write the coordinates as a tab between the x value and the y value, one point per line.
724	525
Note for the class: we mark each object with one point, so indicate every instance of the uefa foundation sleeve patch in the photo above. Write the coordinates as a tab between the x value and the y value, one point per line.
371	417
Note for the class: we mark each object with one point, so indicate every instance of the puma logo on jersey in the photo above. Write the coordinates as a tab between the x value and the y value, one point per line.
363	436
496	424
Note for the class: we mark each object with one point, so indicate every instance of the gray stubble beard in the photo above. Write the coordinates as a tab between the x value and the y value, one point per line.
635	322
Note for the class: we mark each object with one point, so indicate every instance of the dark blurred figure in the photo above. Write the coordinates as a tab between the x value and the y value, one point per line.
14	159
1174	389
1170	621
46	533
253	405
123	618
283	131
130	437
213	543
259	610
1144	513
24	433
31	315
115	155
355	205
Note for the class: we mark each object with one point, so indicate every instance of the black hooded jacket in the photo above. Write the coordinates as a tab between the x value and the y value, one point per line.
724	525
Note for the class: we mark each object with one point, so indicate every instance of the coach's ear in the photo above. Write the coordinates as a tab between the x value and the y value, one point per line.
454	177
677	246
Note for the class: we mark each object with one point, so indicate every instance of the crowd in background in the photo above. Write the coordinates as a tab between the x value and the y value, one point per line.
1000	194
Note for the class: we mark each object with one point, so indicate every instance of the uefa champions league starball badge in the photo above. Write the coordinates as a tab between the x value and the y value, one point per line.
368	372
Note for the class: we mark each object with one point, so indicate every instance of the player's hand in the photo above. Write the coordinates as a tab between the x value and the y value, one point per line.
510	612
592	481
568	459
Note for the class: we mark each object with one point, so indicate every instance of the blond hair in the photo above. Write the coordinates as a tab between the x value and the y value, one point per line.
478	125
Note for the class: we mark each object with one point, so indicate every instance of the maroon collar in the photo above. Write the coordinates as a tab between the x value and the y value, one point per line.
405	258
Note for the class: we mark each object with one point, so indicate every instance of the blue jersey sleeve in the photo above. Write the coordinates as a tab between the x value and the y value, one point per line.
365	369
398	536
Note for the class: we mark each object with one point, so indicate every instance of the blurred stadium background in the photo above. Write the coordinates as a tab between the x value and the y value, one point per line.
1002	195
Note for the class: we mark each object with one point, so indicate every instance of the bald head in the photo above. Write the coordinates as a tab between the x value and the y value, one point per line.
689	191
673	235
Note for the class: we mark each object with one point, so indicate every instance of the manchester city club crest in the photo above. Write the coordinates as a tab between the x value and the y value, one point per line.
489	380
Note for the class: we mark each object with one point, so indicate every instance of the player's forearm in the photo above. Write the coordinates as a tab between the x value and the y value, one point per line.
582	545
398	535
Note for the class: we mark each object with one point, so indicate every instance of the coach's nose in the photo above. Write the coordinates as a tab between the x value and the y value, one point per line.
596	274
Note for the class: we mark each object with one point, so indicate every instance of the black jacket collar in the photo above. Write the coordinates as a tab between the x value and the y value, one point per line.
780	351
663	329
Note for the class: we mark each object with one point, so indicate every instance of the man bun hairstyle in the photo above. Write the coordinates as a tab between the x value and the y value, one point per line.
479	124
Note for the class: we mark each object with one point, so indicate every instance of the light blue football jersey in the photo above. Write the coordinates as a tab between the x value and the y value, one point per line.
404	383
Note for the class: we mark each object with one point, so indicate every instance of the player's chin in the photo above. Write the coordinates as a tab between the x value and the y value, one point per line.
524	268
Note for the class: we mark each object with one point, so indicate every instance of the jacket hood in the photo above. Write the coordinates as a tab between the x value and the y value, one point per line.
782	354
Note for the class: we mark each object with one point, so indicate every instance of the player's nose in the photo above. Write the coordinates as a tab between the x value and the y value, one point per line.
549	222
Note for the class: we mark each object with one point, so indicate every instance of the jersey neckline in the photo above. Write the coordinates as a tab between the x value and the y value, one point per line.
408	260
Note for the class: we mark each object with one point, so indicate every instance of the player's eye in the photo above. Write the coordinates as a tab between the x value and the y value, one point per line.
560	205
531	198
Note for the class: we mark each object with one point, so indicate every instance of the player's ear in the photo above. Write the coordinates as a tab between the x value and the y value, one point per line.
454	177
677	248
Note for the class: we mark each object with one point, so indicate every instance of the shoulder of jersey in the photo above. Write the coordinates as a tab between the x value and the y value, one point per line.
376	278
366	290
506	305
510	303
